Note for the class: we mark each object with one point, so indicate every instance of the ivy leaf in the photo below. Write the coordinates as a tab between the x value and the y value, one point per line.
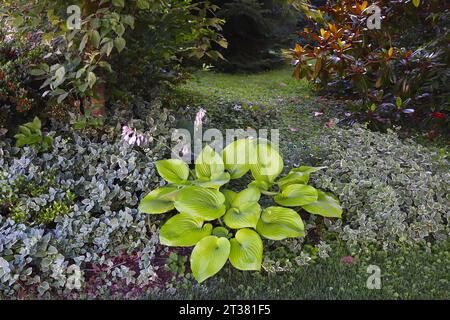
295	195
173	170
183	230
246	250
209	256
278	223
325	206
207	204
119	43
158	201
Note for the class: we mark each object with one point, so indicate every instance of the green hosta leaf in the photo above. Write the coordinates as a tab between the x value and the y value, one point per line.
325	206
209	164
293	178
307	169
220	232
269	163
277	223
229	197
159	200
173	170
295	195
209	256
207	204
183	230
246	196
214	182
246	216
237	157
261	185
246	250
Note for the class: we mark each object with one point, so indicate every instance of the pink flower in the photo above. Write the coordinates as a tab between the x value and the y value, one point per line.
199	117
318	113
292	129
348	260
132	137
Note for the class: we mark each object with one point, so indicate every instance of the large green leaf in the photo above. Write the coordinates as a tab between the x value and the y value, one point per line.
325	206
246	250
293	178
209	163
246	196
229	197
277	223
159	200
173	170
183	230
207	204
269	163
209	256
214	182
246	216
295	195
237	157
307	169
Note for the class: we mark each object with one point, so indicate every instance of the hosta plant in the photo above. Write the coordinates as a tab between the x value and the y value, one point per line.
224	224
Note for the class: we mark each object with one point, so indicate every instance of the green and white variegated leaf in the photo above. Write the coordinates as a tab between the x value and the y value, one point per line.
159	200
173	170
237	157
184	230
207	204
209	256
269	163
246	250
214	182
278	223
209	164
246	216
229	197
246	196
295	195
325	206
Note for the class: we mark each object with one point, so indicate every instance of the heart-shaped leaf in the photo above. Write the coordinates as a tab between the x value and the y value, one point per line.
236	157
246	196
183	230
293	178
246	250
159	200
269	163
295	195
221	232
209	256
277	223
214	182
207	204
325	206
209	163
246	216
173	170
229	197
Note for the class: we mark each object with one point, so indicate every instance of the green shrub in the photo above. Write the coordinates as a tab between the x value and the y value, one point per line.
226	225
30	134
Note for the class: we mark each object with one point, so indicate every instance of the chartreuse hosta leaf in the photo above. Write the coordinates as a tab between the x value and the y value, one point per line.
325	205
173	170
246	250
221	232
209	256
159	200
214	182
229	197
244	210
295	195
207	204
208	164
277	223
183	230
269	163
298	175
237	157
